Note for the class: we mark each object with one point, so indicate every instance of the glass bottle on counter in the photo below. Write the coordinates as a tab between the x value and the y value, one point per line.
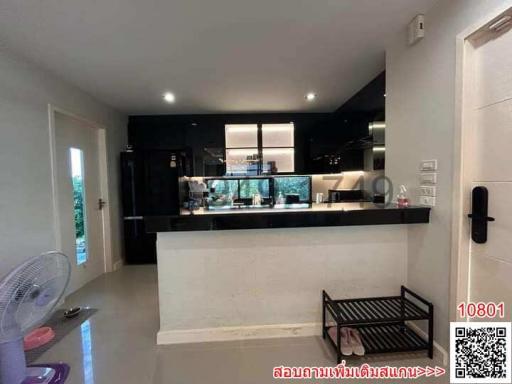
280	199
256	199
401	199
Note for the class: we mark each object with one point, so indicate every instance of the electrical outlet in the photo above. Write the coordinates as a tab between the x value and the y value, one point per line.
428	201
426	190
428	178
428	165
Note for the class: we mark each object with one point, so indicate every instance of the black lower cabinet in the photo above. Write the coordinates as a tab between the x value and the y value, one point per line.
140	246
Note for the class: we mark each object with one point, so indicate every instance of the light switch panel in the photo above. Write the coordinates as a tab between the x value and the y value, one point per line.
428	178
428	165
428	201
427	190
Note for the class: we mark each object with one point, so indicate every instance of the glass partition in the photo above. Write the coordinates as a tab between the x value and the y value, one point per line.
239	192
258	192
278	160
242	154
241	136
278	135
251	187
278	148
222	191
292	185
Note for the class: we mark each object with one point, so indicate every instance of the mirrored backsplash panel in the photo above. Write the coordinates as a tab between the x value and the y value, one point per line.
238	192
231	192
292	185
247	192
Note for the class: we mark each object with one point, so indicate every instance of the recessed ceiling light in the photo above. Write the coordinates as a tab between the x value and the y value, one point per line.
310	96
169	97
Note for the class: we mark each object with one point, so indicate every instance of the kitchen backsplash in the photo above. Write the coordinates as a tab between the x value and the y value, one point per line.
346	180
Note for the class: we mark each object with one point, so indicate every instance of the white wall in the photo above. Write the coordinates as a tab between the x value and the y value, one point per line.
420	117
26	224
260	281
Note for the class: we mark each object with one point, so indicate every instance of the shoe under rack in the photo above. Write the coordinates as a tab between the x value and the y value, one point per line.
381	321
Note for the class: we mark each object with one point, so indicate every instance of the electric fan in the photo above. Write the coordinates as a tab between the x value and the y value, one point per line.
28	296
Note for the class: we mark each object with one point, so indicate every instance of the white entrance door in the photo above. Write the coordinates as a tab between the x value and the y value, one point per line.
79	192
489	160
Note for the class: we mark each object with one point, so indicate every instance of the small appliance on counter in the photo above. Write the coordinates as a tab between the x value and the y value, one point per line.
256	199
345	195
197	195
292	198
379	198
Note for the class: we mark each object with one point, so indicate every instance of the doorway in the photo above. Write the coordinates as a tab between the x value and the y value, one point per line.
80	196
483	264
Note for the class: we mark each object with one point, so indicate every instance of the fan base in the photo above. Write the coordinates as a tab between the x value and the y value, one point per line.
47	374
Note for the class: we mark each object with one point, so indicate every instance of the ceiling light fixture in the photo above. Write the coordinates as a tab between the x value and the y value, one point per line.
310	96
169	97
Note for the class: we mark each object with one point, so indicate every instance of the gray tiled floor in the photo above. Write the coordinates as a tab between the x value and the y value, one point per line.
123	350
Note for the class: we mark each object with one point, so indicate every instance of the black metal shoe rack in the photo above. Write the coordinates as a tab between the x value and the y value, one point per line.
381	322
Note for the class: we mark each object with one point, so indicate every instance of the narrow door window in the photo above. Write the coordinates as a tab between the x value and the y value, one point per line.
77	177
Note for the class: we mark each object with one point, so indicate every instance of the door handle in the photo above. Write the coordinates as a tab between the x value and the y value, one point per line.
478	216
101	203
481	218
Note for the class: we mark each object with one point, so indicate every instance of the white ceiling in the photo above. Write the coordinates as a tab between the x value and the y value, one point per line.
215	55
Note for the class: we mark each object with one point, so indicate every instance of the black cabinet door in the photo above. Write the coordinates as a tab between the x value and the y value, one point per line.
336	145
207	142
353	160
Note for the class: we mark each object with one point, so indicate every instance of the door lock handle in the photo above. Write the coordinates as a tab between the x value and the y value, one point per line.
481	218
101	203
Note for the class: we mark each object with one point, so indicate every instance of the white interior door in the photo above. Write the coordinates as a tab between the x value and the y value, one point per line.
490	165
79	191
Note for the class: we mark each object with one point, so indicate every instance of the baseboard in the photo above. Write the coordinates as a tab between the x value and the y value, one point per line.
439	352
238	333
117	265
263	332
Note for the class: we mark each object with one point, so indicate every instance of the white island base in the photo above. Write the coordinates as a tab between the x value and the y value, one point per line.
264	283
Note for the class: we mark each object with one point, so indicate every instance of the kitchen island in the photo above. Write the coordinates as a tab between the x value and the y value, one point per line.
259	272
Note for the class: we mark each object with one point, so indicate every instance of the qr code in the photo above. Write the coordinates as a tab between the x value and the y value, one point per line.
480	353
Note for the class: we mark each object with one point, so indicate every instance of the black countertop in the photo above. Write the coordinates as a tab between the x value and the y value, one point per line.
317	215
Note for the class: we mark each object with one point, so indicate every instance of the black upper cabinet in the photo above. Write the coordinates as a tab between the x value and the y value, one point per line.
324	142
206	139
338	144
205	136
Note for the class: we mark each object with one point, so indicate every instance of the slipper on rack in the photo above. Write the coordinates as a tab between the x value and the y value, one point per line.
345	347
355	342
